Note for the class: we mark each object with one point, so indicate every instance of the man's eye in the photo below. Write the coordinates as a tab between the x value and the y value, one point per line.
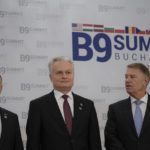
133	76
68	72
59	73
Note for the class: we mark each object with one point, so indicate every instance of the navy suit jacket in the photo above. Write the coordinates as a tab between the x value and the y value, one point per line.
10	136
46	129
120	131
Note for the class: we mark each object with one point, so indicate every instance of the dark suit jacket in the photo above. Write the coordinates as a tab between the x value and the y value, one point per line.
120	132
10	137
46	129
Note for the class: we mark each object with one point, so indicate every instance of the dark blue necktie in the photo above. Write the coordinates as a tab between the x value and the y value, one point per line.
138	119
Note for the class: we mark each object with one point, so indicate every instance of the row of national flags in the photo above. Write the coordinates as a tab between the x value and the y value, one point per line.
102	28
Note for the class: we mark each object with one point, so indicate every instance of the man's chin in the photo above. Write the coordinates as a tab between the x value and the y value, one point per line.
129	91
67	88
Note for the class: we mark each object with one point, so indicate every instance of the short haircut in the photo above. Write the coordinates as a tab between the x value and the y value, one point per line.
141	67
56	59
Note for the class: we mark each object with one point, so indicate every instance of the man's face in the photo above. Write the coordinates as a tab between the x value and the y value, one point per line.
0	85
62	76
135	82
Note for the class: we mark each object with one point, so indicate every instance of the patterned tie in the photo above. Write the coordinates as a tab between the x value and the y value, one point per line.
138	119
67	113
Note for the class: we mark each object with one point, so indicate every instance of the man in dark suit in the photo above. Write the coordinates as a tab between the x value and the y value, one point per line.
128	124
10	137
55	123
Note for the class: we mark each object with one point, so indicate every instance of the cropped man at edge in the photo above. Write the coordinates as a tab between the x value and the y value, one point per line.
128	124
10	137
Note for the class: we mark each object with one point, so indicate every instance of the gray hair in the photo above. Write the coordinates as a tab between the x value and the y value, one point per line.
56	59
141	67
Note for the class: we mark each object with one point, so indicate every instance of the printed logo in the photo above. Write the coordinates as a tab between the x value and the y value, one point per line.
128	43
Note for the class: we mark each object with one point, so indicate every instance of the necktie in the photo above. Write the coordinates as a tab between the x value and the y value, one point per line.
138	119
67	114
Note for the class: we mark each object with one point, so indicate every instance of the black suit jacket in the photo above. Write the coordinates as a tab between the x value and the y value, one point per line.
46	129
10	136
120	131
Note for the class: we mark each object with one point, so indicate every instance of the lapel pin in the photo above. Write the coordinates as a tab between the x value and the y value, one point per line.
5	116
80	108
81	104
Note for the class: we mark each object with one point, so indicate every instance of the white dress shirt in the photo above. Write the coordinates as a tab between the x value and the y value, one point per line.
58	96
142	105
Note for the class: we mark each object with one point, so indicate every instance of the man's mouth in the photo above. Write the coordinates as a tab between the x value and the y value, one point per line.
128	86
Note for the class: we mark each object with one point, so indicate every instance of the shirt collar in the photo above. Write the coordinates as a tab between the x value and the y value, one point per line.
144	99
59	94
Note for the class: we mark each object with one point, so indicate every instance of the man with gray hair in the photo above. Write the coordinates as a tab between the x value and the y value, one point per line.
62	120
128	124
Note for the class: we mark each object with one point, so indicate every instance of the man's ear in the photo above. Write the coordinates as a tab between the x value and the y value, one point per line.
146	80
50	76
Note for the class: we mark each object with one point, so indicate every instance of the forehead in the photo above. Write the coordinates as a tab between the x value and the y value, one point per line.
62	65
133	71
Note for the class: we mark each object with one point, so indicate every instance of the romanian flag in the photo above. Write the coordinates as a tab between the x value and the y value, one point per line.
130	30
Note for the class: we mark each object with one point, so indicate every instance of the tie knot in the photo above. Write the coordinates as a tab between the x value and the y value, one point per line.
138	102
65	97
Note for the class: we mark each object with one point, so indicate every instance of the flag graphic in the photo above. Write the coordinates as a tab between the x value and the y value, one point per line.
98	28
76	27
119	31
109	30
102	28
138	31
88	27
148	32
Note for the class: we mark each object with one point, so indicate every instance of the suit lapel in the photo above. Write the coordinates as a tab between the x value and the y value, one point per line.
55	111
78	108
129	115
147	116
4	124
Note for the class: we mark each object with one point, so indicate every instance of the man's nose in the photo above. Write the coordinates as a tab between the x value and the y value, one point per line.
64	75
127	79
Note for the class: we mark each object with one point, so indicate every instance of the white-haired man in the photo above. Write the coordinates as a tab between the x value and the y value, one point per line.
62	120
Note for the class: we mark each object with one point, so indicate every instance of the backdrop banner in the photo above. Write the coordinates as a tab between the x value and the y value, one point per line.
101	36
